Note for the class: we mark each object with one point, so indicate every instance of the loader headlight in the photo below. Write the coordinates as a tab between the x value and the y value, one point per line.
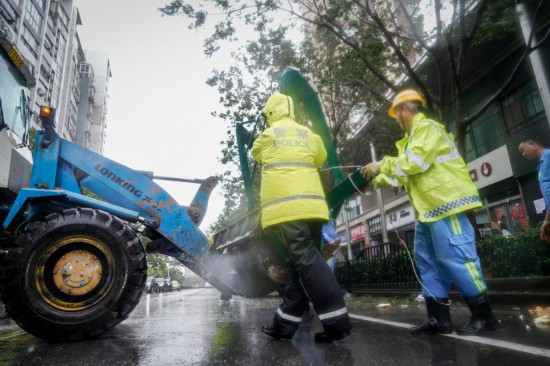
45	111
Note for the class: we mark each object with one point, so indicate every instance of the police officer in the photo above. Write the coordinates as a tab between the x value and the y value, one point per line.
436	178
293	207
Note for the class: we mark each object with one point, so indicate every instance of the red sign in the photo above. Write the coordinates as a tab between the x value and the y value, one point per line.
486	169
357	233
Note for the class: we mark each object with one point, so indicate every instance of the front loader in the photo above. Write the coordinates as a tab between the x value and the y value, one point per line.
72	267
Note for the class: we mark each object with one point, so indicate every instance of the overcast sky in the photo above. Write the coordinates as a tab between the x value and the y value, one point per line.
159	105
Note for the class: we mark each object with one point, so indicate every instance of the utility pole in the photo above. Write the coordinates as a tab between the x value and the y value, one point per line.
346	225
380	203
539	68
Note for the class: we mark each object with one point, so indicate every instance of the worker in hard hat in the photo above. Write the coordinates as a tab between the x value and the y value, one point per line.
293	207
441	191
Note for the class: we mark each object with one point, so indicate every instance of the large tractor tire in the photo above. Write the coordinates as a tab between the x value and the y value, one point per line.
78	273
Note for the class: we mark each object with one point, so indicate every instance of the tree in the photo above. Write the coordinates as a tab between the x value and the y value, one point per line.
447	46
243	91
245	86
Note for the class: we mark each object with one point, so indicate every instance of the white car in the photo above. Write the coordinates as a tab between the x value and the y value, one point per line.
176	286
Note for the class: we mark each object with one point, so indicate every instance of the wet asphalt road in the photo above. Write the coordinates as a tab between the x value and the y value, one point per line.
192	327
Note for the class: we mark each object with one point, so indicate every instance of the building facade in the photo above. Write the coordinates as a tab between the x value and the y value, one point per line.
507	182
45	32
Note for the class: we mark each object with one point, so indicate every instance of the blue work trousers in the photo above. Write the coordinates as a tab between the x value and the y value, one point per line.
445	252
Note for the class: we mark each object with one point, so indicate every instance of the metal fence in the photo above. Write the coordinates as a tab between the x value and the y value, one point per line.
380	267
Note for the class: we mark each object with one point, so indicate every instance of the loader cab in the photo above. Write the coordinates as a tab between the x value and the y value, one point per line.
15	155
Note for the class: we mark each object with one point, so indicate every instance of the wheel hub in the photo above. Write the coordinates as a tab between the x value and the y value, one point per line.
77	272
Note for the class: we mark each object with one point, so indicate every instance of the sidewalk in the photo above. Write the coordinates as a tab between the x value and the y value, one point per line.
513	291
524	325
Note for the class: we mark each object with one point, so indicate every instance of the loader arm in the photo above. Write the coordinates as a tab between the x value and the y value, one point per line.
61	168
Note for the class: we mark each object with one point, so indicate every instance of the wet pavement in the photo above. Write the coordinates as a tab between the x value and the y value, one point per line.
192	327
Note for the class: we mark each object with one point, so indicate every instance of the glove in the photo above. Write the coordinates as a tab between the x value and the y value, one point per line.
370	171
545	231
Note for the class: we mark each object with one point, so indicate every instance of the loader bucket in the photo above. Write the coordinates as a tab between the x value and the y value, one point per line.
245	261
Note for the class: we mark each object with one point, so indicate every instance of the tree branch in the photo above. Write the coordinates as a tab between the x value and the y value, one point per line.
401	57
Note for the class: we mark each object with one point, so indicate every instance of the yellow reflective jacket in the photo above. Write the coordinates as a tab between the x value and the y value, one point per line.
432	171
290	155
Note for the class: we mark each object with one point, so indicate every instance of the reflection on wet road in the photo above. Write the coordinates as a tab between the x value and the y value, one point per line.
192	327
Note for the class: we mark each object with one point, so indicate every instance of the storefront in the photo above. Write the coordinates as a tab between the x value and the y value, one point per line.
503	211
400	224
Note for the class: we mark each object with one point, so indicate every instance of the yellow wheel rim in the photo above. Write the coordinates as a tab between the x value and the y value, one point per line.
75	273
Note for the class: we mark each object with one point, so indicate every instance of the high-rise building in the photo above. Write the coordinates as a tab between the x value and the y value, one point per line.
94	84
45	32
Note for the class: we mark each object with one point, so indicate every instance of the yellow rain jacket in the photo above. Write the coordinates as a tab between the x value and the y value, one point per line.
432	171
290	155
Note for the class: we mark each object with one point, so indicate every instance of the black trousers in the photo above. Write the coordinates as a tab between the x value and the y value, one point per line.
310	279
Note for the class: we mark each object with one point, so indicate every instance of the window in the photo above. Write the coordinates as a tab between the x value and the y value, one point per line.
12	95
84	70
485	134
33	18
56	86
30	40
48	45
522	107
63	18
354	207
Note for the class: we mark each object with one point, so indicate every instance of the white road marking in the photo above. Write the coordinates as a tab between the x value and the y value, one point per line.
12	335
475	339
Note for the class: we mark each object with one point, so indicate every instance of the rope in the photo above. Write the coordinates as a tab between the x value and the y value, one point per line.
402	243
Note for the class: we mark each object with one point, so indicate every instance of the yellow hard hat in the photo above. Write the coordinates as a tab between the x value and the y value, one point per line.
408	95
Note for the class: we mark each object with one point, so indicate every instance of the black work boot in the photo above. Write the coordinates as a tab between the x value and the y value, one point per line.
325	337
439	317
273	332
482	316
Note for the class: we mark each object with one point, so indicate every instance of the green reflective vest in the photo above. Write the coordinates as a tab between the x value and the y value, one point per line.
432	171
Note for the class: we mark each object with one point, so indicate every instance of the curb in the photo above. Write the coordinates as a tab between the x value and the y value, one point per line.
519	291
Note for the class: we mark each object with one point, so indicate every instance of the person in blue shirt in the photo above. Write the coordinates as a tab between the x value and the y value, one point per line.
332	243
532	150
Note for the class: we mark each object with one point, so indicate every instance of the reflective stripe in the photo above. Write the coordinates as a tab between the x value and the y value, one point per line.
398	171
393	182
287	164
444	158
475	276
446	207
417	160
290	318
454	154
333	314
457	229
291	198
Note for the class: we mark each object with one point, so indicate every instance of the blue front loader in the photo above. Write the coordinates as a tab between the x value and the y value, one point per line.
74	266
